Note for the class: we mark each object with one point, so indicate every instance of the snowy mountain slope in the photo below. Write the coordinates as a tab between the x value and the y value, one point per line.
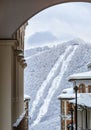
35	50
46	76
54	124
54	82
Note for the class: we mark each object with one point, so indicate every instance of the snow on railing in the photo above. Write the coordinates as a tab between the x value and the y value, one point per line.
26	97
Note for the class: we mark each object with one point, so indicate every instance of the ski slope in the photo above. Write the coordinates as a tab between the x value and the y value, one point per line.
46	76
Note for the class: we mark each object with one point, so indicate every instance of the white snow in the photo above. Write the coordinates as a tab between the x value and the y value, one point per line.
68	90
38	69
39	53
48	80
84	75
19	119
26	97
55	83
84	99
67	94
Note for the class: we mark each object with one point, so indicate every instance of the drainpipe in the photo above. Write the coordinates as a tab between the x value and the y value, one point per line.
71	110
86	118
75	89
82	119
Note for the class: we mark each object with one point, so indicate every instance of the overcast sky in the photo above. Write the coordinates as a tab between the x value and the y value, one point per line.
65	21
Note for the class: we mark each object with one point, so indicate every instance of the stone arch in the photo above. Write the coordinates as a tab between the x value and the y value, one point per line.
48	4
14	13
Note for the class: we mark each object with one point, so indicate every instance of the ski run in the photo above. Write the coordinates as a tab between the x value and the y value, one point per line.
54	78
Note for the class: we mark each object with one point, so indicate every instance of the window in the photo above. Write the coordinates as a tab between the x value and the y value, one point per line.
89	88
82	88
68	108
63	107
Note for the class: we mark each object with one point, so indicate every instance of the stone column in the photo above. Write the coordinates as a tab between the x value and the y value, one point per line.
21	84
6	82
21	91
18	90
15	93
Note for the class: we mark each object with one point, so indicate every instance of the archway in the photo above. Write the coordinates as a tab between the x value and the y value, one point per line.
13	14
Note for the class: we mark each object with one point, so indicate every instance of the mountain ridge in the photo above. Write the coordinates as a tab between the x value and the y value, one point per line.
76	55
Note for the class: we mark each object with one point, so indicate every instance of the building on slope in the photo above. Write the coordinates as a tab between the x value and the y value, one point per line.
76	107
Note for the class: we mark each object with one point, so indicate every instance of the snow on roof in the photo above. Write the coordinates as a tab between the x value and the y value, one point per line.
67	94
19	119
26	97
78	76
83	99
68	90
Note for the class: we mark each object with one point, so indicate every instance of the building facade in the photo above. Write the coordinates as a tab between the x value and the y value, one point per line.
68	103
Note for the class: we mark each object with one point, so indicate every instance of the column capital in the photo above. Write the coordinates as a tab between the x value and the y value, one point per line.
6	42
20	57
24	65
18	51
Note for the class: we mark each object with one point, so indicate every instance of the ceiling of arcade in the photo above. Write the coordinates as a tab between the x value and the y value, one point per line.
15	13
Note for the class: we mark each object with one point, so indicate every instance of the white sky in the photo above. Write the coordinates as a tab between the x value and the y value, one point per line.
65	21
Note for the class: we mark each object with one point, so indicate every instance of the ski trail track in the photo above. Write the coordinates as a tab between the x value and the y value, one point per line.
52	74
54	78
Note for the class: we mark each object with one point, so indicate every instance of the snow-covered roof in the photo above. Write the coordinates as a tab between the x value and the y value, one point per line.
68	90
26	97
84	99
19	119
78	76
67	94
